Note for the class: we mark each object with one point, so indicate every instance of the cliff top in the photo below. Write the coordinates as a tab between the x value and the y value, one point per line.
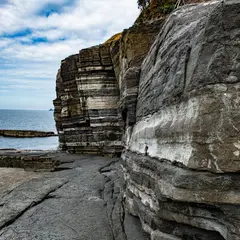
115	37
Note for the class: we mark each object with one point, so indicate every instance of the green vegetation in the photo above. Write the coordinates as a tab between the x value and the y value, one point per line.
155	9
162	6
142	4
167	8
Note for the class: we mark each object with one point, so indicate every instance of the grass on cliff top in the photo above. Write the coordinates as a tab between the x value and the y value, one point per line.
156	10
114	38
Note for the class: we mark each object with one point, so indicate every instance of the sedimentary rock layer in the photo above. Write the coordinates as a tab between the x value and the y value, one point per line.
182	160
178	203
86	111
97	90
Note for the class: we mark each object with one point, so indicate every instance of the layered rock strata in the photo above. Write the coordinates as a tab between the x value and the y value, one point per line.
86	111
182	160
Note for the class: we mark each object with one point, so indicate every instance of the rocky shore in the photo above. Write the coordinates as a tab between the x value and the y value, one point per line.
82	199
165	95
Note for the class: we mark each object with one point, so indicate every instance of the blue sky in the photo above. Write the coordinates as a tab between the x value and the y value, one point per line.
35	35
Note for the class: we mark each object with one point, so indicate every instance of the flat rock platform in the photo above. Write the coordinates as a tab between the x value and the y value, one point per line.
80	198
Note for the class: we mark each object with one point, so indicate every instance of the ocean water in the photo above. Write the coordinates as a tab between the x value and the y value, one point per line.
28	120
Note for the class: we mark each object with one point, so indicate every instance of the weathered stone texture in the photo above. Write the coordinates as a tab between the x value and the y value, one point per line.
86	111
183	203
188	108
84	201
182	160
97	91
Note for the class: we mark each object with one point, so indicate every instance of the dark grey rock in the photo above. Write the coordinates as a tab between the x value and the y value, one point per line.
25	133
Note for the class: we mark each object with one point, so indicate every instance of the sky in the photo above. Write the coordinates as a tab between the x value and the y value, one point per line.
35	35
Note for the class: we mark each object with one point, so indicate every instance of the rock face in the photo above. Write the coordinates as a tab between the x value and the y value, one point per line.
128	54
182	158
178	107
86	111
97	91
188	103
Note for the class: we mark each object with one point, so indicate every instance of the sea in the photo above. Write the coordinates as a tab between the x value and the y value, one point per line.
28	120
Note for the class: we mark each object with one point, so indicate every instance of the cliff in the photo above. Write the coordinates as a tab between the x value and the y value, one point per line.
172	94
127	55
86	111
97	89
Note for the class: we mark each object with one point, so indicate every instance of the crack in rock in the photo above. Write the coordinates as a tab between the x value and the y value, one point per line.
15	207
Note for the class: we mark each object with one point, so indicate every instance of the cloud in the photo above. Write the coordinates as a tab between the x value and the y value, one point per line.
36	35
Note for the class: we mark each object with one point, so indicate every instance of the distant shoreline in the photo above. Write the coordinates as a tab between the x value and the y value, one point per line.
26	133
7	109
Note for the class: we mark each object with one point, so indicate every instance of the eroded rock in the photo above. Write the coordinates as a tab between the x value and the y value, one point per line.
187	110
